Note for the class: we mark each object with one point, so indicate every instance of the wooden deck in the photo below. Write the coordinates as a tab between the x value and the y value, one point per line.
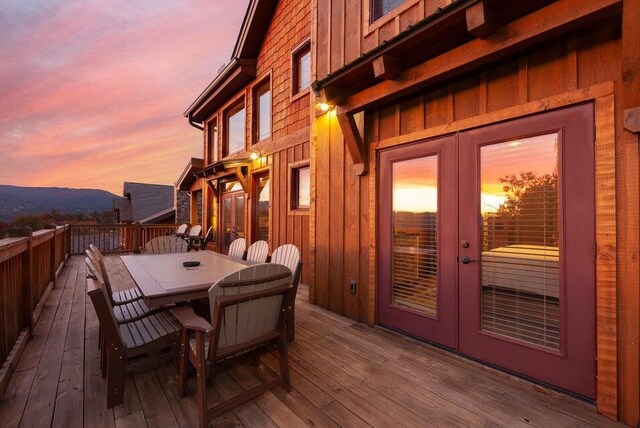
343	374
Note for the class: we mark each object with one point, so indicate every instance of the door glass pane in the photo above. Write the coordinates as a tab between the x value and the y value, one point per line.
226	216
262	208
415	238
239	216
521	240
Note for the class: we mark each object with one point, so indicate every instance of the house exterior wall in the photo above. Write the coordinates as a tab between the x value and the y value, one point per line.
289	140
570	68
182	206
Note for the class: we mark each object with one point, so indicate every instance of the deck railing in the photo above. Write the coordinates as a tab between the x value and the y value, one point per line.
30	262
116	238
29	265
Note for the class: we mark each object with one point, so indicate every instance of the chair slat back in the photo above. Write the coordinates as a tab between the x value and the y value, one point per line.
182	229
237	247
195	231
252	319
289	256
166	245
102	304
99	262
258	252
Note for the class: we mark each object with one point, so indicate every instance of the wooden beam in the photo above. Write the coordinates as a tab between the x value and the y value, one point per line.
386	67
332	95
213	188
628	193
353	139
481	20
544	24
242	180
632	120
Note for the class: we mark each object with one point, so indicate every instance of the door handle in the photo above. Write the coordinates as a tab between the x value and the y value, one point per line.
466	260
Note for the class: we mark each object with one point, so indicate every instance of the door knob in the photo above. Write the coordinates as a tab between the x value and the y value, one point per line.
466	260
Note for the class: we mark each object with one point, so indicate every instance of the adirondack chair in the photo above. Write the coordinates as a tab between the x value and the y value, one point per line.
200	242
194	235
181	231
132	345
237	248
248	312
289	256
258	252
118	297
166	245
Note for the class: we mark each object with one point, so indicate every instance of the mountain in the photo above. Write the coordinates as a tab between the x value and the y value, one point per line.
16	201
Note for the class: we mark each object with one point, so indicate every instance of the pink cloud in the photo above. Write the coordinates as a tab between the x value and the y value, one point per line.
93	95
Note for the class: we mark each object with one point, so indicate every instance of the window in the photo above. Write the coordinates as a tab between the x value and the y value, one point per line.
301	69
261	207
212	148
382	7
262	112
234	129
300	187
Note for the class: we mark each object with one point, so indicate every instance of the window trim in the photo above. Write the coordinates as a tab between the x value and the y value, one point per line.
225	116
211	158
293	188
293	78
371	26
260	83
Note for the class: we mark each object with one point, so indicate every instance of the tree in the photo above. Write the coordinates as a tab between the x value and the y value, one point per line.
529	215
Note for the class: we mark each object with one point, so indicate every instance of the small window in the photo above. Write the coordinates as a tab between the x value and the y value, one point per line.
301	69
213	141
262	105
235	129
300	187
382	7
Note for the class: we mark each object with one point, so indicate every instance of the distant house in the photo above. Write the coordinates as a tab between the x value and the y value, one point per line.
145	203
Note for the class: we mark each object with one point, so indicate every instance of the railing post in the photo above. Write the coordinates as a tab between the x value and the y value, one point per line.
27	276
137	230
53	268
68	241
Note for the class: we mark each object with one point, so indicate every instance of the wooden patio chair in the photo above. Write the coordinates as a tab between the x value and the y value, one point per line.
133	345
289	256
258	252
181	231
248	312
118	297
237	248
194	236
166	245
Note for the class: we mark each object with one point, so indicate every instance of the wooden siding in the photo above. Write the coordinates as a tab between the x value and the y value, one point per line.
531	81
289	141
344	32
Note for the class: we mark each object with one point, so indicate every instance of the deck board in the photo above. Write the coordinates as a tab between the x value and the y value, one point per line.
342	373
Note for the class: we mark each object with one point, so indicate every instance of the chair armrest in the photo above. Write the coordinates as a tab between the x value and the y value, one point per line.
191	321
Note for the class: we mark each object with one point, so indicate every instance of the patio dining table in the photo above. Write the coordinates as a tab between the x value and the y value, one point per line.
163	279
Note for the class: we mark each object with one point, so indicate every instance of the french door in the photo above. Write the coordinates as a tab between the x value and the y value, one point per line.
232	218
508	276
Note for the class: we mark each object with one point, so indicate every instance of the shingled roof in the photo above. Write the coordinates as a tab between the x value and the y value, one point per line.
144	203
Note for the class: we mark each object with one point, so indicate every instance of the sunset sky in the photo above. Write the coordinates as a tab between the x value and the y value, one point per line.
92	92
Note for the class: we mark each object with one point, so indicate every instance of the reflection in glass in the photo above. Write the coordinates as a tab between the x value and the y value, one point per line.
239	217
304	187
235	129
262	208
226	215
521	235
415	235
304	70
264	112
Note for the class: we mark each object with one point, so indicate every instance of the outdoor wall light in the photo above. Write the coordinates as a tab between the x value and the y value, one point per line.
324	107
255	154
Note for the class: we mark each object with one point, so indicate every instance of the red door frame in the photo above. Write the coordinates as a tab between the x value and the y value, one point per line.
574	367
233	197
443	328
